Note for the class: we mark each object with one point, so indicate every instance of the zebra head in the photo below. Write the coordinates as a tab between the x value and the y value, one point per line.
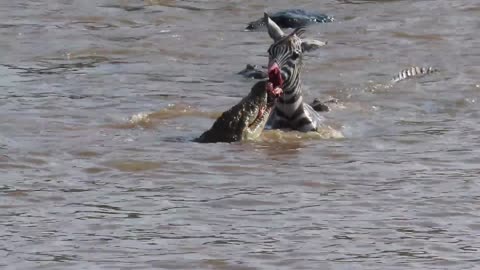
286	53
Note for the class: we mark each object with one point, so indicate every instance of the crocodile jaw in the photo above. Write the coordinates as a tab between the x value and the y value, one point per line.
246	120
262	112
256	127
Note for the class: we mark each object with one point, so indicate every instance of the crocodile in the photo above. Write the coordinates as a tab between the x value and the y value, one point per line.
253	72
245	120
291	18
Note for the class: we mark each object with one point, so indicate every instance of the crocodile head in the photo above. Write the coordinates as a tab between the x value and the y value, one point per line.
253	71
246	120
291	18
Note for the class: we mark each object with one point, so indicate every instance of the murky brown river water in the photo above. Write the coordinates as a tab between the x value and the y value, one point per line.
89	182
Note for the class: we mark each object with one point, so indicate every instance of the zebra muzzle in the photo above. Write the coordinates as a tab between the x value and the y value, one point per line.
274	75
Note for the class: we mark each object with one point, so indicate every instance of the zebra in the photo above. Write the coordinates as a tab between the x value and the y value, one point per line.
284	70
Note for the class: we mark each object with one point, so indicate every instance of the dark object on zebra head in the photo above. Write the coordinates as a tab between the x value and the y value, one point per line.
291	18
275	32
246	120
254	72
293	39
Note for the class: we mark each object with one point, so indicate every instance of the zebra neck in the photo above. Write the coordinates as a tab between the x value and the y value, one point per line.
293	87
292	99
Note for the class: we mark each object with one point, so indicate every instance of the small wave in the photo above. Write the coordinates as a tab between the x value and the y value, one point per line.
141	119
134	165
324	133
172	111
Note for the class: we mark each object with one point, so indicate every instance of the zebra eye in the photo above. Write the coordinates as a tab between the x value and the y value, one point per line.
295	55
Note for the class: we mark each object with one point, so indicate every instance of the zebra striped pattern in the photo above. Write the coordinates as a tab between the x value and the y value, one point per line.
290	110
413	72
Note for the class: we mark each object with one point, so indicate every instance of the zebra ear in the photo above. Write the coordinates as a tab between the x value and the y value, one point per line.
312	44
274	30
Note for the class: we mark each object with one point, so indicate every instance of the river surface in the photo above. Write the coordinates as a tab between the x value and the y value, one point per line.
99	102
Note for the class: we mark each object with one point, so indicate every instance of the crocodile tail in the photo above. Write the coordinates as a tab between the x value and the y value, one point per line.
413	72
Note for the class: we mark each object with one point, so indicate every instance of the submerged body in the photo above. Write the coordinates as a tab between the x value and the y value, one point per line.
413	72
292	18
246	120
253	72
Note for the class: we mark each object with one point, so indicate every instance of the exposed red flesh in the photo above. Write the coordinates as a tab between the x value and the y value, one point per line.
272	92
275	91
274	75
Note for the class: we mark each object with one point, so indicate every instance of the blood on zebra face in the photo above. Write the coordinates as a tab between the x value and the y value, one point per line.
275	76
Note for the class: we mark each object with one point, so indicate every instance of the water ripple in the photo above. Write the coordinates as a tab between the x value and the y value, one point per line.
100	102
